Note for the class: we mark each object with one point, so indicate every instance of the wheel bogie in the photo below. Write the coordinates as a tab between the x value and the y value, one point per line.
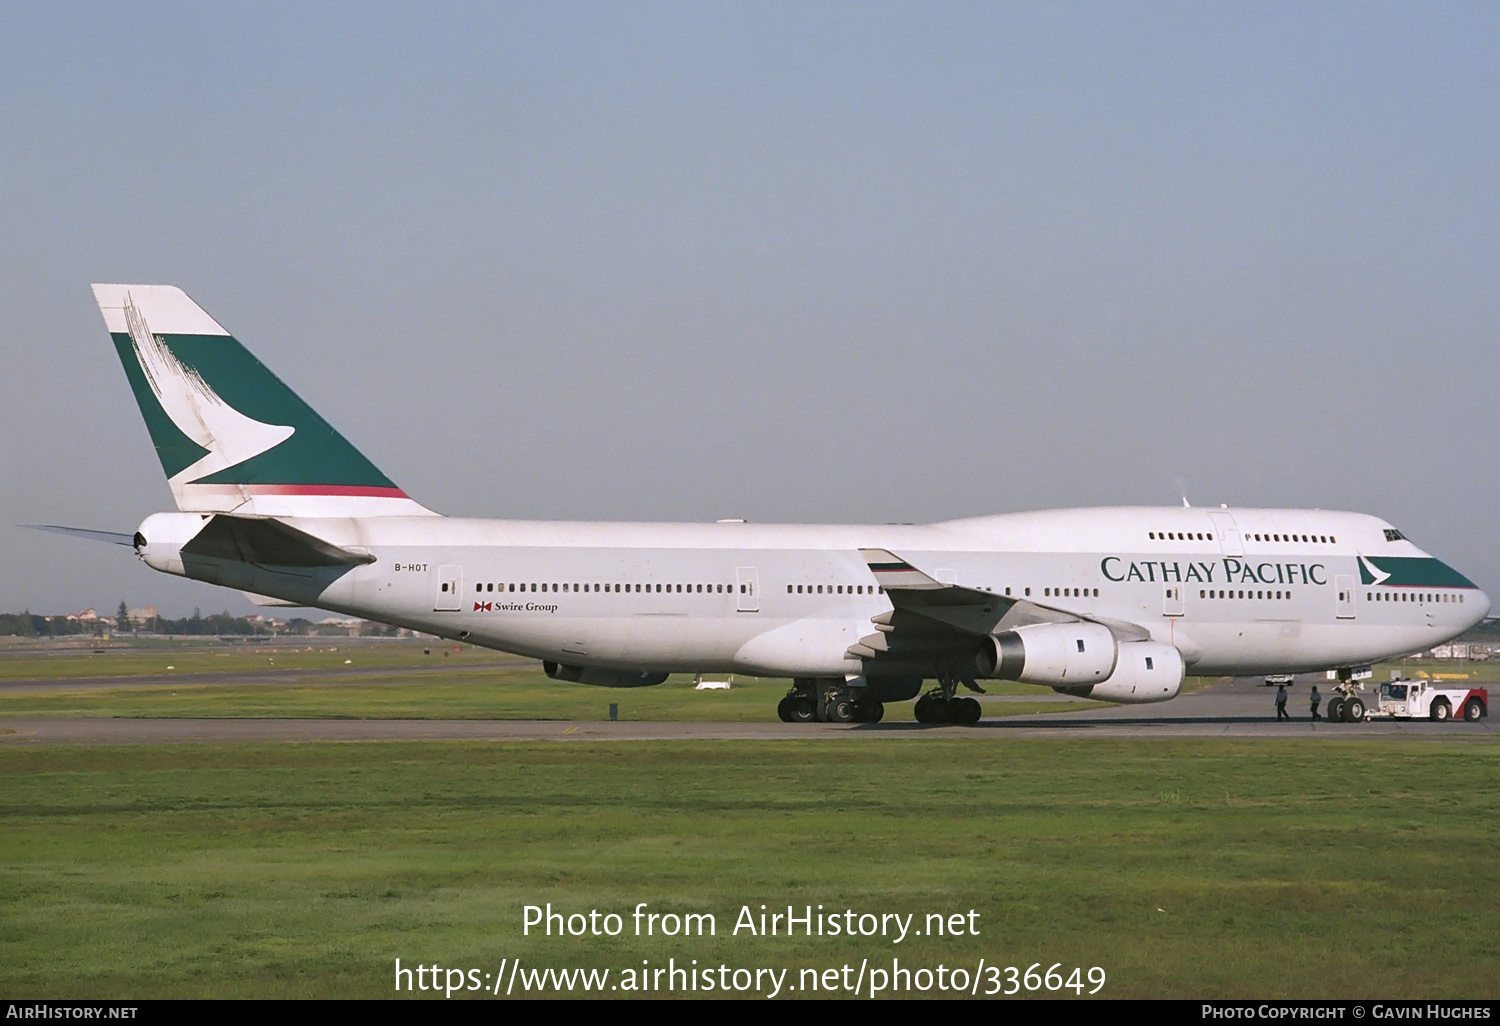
935	707
809	702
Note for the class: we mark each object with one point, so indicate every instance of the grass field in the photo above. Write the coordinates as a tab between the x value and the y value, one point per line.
1181	868
388	680
154	656
514	695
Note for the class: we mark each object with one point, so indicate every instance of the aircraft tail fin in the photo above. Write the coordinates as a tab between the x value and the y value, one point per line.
231	436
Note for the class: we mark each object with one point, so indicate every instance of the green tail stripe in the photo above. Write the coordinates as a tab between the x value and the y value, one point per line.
315	454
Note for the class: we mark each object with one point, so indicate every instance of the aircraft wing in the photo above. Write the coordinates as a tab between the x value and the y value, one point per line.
937	624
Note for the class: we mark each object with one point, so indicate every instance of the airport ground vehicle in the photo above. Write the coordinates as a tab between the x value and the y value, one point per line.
1420	699
1409	700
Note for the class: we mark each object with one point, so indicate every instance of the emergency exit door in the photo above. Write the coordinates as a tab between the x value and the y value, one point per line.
1344	585
1228	532
449	583
1172	602
747	584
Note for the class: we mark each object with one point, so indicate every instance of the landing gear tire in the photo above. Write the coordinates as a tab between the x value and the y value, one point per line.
1473	709
1336	709
931	708
784	709
841	710
1441	711
869	712
965	710
1354	711
801	709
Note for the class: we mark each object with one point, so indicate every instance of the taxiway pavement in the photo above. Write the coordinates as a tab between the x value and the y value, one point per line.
1235	708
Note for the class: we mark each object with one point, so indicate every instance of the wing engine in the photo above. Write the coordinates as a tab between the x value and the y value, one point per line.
964	635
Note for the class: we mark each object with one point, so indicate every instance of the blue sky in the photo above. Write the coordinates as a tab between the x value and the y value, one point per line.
852	262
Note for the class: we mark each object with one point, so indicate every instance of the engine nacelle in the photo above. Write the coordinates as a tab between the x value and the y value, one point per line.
1145	671
1050	653
602	678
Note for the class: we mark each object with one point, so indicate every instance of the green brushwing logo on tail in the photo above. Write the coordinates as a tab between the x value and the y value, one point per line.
218	416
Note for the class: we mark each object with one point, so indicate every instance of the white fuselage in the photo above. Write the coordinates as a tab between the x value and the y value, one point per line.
789	600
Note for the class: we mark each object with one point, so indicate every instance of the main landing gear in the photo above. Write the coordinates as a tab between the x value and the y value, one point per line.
936	707
942	704
812	700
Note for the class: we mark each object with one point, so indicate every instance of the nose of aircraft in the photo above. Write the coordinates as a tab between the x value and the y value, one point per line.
1481	606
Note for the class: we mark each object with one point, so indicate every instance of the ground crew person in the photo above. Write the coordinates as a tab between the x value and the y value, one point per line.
1312	701
1281	703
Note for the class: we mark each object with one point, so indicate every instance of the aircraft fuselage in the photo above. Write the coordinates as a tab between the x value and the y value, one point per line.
1236	591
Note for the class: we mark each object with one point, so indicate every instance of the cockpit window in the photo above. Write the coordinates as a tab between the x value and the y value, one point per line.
1391	534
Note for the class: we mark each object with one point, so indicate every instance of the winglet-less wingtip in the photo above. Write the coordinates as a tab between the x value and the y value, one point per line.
891	571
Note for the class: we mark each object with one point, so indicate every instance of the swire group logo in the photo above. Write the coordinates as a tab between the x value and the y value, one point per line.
513	606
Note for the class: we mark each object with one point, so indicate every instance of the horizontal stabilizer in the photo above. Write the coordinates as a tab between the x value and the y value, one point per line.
266	600
108	537
268	543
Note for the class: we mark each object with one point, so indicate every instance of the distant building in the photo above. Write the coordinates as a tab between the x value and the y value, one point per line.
1461	650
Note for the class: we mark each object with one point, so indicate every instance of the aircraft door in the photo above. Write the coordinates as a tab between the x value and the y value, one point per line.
1229	534
748	582
1344	585
1172	601
450	583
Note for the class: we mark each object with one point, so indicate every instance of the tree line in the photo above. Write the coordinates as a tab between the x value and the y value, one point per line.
29	624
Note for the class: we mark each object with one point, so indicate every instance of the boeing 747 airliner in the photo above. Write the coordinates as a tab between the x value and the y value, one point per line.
1115	604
